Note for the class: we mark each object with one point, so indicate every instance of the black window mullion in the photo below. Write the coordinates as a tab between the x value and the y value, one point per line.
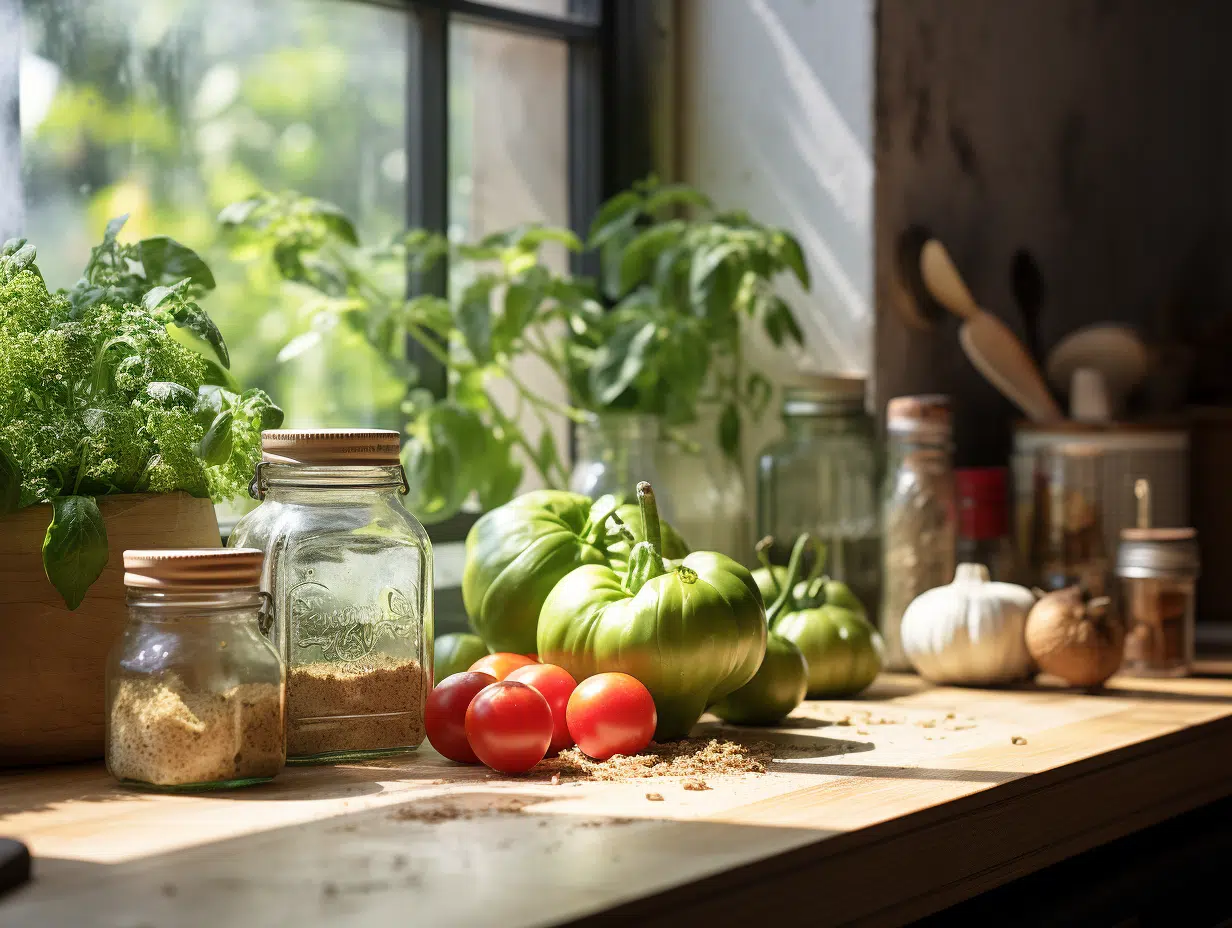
427	152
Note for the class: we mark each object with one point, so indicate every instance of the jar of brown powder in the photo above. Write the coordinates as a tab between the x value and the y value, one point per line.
195	691
1158	569
349	570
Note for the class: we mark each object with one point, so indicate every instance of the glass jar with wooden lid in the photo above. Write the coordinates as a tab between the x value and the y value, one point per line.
349	570
195	691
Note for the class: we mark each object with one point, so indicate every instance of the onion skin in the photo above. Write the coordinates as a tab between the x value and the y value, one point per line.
1078	639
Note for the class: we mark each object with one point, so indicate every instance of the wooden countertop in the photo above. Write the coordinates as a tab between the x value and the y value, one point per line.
881	810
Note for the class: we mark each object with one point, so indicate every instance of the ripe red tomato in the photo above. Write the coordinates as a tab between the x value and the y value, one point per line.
445	714
556	685
509	726
501	664
611	713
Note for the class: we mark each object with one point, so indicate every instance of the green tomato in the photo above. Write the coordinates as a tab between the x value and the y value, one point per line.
691	634
768	585
842	649
839	594
775	690
455	653
516	554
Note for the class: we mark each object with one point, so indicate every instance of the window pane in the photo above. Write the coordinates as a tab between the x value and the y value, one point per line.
508	156
583	11
169	111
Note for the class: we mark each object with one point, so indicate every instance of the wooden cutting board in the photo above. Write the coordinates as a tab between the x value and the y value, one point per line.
874	812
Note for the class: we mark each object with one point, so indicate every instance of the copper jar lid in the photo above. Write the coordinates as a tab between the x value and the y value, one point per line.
332	447
926	413
1158	553
193	569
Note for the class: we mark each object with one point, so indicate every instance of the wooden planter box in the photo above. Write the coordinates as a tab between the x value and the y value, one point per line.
52	660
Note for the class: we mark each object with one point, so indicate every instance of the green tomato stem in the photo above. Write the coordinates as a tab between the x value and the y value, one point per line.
793	572
650	516
763	555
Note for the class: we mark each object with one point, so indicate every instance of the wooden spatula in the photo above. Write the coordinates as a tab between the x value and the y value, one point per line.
989	344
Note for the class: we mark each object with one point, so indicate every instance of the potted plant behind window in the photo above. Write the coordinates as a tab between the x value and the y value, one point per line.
669	354
114	434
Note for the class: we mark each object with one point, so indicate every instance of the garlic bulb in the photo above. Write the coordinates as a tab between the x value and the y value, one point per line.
970	631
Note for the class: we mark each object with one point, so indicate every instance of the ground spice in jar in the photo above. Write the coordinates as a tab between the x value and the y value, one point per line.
368	705
163	733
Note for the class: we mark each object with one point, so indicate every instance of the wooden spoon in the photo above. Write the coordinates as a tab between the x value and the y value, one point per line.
989	344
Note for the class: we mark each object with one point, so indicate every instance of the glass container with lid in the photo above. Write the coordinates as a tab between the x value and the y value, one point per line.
821	477
616	451
1069	532
349	570
194	691
1158	569
918	517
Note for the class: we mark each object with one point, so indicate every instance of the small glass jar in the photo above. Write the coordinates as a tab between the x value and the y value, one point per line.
984	521
1158	569
616	451
195	692
918	517
349	570
1069	535
821	477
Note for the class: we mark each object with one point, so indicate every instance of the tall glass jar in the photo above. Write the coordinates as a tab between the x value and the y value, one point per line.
615	451
1069	533
821	477
350	573
195	692
919	519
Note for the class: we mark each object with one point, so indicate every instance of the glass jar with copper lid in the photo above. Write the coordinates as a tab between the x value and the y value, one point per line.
195	691
349	570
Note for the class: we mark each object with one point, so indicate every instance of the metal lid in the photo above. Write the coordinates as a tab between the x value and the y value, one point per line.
825	396
331	447
1158	552
193	569
923	414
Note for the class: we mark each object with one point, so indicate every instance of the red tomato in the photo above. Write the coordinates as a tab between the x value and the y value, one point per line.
509	726
611	713
445	714
500	664
555	685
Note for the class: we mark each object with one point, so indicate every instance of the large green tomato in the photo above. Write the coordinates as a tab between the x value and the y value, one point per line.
692	633
842	649
516	554
775	690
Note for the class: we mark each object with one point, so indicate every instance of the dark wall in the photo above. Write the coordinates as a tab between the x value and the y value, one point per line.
1094	136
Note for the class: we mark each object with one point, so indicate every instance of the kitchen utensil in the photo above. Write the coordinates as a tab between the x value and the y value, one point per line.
1116	351
1088	396
944	282
989	344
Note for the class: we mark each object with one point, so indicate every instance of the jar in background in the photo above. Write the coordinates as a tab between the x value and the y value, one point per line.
821	478
918	518
195	691
1158	569
349	570
1068	540
983	521
615	451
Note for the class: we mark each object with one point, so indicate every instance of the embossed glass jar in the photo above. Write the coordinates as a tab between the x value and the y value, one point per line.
194	689
349	570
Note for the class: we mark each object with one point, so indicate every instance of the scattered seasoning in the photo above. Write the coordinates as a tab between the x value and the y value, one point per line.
861	731
845	720
655	797
695	785
163	733
556	776
1018	739
691	757
456	810
327	704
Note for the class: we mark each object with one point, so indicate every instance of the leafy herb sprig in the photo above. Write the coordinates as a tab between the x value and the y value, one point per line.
98	398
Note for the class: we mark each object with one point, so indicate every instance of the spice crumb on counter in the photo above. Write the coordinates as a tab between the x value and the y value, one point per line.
655	797
690	757
1018	739
695	785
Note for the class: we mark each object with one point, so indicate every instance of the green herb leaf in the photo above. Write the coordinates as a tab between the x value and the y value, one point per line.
729	430
758	393
191	316
791	254
112	232
215	447
75	547
619	360
779	323
10	482
474	318
706	262
167	393
164	259
235	214
334	219
676	195
615	217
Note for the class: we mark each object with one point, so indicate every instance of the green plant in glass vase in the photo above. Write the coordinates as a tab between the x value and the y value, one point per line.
504	304
679	289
